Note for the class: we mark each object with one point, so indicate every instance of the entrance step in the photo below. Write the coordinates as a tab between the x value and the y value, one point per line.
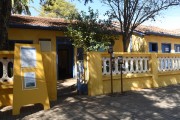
67	87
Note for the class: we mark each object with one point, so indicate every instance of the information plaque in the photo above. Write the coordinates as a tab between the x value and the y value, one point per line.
29	80
28	57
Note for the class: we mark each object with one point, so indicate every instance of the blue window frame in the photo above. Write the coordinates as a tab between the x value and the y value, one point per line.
177	48
153	47
166	47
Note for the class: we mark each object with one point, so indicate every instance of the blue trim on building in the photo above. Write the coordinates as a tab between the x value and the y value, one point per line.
64	42
151	47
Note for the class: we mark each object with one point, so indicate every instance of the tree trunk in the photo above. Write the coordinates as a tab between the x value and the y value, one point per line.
126	41
5	12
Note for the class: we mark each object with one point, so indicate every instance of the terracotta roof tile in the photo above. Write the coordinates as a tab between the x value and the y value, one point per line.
151	29
61	24
38	21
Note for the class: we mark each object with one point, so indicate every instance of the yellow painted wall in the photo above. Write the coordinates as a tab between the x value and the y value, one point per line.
95	84
138	44
160	40
118	46
161	79
49	58
141	43
101	84
133	83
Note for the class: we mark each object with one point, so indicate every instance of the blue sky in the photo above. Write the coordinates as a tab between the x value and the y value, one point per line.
169	19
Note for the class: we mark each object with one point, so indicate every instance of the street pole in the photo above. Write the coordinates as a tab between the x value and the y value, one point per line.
120	58
111	73
121	79
110	51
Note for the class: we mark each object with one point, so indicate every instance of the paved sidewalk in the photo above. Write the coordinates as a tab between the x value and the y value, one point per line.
147	104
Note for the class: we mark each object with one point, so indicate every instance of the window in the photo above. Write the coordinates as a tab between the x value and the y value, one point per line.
153	47
177	48
45	45
166	47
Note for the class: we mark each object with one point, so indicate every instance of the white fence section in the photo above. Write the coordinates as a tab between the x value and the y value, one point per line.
5	63
168	64
130	65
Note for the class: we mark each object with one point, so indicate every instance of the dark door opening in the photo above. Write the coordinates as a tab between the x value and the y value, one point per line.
65	61
66	84
153	47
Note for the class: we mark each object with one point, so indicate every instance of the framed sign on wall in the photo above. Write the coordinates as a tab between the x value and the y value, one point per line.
28	57
29	80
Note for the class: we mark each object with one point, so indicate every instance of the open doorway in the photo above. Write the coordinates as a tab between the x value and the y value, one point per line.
66	84
65	61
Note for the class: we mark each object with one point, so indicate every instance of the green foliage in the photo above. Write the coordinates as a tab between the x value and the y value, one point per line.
21	6
89	32
57	9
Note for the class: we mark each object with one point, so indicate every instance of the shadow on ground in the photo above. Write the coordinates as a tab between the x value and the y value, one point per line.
67	87
150	104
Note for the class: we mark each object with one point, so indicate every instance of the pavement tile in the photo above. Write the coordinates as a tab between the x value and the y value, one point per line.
147	104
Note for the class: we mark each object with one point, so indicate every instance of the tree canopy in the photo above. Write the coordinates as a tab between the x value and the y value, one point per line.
132	13
21	6
90	33
6	8
58	9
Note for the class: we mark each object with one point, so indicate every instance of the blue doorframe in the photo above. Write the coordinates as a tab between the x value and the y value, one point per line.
166	47
65	58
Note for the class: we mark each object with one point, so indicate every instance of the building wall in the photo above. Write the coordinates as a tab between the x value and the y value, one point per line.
141	43
138	44
118	45
49	58
160	40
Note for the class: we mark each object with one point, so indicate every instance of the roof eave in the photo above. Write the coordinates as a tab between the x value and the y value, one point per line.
37	27
162	34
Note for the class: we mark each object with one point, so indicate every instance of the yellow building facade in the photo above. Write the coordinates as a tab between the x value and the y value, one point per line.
152	39
60	57
52	43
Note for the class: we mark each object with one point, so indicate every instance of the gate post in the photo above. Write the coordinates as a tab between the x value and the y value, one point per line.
154	69
94	68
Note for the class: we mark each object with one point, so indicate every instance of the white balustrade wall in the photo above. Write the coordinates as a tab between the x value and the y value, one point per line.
168	64
130	65
5	70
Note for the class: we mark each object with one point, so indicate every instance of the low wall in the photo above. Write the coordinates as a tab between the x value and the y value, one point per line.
6	86
142	70
129	83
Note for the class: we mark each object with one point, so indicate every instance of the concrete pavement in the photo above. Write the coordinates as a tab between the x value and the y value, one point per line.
147	104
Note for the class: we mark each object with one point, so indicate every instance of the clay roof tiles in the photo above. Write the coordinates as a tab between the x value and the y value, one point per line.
31	21
24	21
